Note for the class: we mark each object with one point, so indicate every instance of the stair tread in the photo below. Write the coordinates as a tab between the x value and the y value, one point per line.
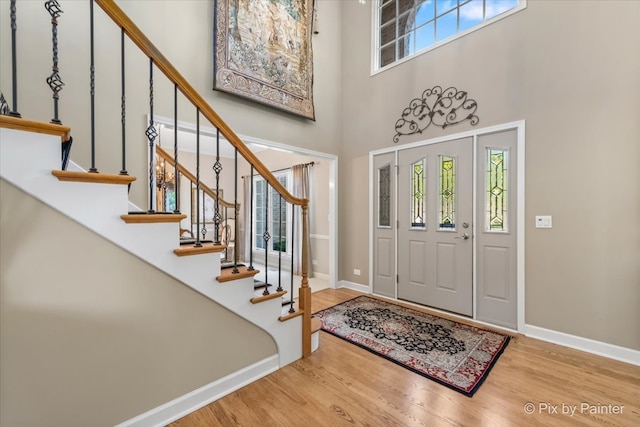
93	177
227	274
151	217
205	248
272	295
19	123
288	316
316	324
286	304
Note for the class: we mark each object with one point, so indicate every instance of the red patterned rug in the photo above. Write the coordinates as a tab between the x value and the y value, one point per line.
455	355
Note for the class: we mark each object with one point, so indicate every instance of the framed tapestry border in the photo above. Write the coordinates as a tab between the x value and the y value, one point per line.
262	51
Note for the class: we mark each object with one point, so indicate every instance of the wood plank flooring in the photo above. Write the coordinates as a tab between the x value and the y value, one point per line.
344	385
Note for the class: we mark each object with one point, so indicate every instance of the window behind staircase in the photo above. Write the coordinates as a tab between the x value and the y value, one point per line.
271	215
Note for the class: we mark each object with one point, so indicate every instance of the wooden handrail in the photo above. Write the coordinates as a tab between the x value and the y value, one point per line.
119	17
185	172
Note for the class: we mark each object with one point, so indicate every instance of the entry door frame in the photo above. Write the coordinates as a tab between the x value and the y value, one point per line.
519	126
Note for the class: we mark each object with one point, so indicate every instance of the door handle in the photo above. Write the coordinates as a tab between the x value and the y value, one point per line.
465	236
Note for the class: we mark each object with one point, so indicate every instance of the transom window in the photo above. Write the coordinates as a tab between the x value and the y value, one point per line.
408	27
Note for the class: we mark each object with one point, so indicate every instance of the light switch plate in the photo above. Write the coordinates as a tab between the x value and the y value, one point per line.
543	221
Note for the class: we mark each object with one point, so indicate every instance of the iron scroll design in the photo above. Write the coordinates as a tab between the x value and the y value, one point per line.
4	106
442	108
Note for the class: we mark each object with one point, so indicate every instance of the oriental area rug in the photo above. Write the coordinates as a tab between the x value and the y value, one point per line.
451	353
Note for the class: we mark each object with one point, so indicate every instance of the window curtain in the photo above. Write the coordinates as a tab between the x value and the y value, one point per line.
301	189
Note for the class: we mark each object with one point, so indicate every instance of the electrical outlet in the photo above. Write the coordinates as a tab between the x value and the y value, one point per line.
314	262
356	272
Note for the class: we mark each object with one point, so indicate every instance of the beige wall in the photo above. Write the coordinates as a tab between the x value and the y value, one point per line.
90	335
570	69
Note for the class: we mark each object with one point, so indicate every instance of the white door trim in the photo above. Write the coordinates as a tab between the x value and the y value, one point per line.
519	126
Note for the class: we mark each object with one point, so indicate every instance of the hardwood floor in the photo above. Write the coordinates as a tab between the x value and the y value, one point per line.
344	385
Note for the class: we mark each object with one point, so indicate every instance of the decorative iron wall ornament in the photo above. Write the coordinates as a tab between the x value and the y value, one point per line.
262	51
442	108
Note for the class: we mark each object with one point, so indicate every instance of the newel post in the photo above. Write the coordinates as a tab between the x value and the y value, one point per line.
305	290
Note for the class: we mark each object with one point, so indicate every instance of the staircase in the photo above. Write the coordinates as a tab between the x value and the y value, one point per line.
30	159
101	206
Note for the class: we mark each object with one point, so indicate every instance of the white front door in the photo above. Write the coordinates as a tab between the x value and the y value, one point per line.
435	225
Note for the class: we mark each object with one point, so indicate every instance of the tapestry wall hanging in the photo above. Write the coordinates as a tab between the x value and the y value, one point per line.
262	51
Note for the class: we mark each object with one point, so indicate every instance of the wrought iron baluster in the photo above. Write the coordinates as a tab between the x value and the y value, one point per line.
204	200
92	74
197	244
251	268
266	237
4	106
204	221
293	232
152	134
123	104
54	80
14	66
176	171
224	221
280	245
191	204
235	213
217	168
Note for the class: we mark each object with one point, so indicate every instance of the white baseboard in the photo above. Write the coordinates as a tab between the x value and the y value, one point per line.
321	276
354	286
192	401
600	348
